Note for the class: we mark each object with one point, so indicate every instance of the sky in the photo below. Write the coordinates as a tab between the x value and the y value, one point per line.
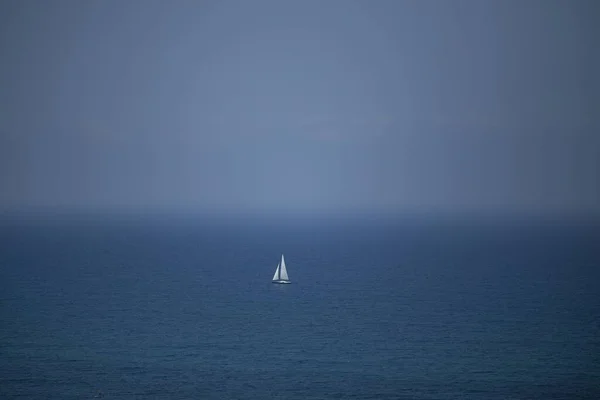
313	105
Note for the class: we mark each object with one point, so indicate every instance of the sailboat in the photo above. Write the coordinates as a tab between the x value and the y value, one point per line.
281	275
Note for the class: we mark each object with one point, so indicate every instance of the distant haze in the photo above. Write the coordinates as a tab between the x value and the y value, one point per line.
309	105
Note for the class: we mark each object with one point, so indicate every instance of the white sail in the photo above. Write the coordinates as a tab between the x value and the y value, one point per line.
283	275
276	276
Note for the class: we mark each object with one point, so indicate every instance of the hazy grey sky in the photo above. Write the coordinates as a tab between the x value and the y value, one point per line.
301	105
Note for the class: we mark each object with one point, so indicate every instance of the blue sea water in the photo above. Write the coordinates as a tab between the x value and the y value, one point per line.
175	309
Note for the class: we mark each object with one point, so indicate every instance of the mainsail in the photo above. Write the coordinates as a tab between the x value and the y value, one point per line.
283	272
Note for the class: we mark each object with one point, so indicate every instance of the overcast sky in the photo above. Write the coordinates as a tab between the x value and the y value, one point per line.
300	105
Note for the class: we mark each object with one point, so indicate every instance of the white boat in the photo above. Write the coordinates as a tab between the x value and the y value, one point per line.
281	275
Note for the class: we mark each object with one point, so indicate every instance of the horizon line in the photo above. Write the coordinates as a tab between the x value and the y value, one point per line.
308	214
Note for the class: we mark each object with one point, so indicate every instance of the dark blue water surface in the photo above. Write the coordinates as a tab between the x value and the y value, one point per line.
165	309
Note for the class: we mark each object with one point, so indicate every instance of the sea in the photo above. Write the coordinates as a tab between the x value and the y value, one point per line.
399	308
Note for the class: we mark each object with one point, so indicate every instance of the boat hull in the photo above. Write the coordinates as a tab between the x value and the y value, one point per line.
282	282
